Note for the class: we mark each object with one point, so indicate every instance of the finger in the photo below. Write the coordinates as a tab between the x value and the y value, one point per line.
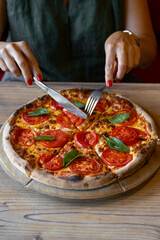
22	64
135	57
115	68
115	71
31	60
3	66
131	59
109	64
122	63
10	63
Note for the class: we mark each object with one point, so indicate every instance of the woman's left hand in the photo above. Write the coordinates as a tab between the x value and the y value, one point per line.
122	54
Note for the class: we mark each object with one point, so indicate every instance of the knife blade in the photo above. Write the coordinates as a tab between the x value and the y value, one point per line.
61	100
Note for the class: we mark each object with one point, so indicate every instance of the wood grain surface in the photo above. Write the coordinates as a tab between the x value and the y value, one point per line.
26	214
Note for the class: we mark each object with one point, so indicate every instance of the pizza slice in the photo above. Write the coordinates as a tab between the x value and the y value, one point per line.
130	127
121	162
23	146
124	112
78	169
40	115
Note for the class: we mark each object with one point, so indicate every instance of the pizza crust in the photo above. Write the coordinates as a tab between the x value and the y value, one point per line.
141	157
87	182
14	158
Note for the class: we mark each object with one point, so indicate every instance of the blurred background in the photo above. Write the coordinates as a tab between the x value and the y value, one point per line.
150	74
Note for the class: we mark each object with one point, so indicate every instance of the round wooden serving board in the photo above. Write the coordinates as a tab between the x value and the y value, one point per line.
133	181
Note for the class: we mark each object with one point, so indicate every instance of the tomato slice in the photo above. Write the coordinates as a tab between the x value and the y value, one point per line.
131	120
80	140
85	166
54	164
34	119
102	104
55	105
85	139
141	135
22	137
63	120
126	134
60	139
44	158
116	158
77	121
92	138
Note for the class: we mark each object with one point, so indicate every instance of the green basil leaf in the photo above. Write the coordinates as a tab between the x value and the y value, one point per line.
116	144
79	104
45	137
40	111
119	118
69	157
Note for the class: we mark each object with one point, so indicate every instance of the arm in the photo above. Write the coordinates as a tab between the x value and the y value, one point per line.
137	20
122	51
16	57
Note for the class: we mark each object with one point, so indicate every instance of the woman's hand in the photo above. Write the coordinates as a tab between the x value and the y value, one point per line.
18	59
122	54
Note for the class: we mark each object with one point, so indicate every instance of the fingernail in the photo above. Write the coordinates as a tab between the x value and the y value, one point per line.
29	81
39	78
109	83
118	80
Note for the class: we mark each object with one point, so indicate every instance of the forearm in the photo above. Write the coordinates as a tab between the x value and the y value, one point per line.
137	20
2	16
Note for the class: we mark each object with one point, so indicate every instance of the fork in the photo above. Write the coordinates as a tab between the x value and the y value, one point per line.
93	100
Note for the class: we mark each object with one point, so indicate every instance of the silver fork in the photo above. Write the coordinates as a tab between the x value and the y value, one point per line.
93	100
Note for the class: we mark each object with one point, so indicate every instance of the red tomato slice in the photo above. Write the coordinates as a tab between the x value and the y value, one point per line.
116	158
141	135
35	119
102	104
80	140
131	120
54	164
77	121
126	134
22	137
85	166
44	158
92	138
64	121
60	139
55	105
85	139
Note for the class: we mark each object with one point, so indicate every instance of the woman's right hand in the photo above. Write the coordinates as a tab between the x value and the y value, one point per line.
17	58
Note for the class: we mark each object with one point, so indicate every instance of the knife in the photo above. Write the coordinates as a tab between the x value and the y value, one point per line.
61	100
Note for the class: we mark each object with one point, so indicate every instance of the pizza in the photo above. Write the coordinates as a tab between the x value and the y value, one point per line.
53	146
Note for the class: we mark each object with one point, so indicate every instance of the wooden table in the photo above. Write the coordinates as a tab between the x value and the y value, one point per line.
28	215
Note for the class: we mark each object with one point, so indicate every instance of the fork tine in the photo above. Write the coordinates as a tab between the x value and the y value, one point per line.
93	106
93	100
87	103
91	103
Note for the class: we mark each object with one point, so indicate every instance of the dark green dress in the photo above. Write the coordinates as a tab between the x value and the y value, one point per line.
68	43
